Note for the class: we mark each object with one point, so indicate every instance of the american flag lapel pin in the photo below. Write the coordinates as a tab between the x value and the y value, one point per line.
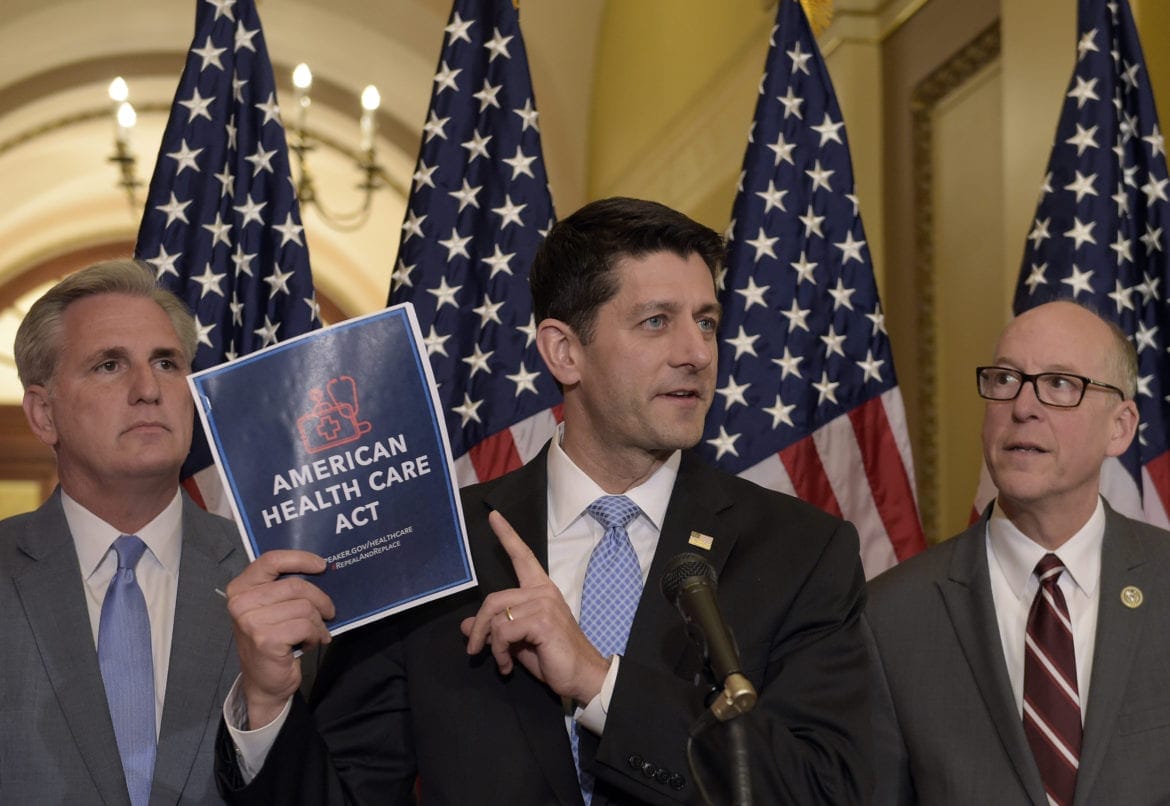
700	540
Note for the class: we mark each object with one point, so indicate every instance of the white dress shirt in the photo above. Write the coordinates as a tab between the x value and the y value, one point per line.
157	573
1011	560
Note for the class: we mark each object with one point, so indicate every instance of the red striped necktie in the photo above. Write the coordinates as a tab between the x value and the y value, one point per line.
1052	704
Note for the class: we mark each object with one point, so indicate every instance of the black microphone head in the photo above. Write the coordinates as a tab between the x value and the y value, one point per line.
681	568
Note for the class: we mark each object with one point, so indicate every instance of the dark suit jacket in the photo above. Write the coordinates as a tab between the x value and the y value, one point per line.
948	731
57	743
401	697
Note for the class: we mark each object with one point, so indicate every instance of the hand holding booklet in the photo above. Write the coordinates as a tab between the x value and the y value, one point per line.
333	442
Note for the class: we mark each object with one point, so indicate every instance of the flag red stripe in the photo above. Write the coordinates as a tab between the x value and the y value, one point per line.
192	488
1159	470
803	463
888	481
495	456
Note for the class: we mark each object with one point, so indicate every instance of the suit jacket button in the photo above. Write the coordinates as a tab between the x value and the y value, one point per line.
662	776
634	762
649	769
677	781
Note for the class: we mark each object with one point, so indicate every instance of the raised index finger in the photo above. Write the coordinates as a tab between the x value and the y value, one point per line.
528	569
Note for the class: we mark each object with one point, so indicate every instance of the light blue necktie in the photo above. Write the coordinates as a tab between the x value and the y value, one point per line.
128	670
609	598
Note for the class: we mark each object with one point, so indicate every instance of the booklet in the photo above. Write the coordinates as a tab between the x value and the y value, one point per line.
333	442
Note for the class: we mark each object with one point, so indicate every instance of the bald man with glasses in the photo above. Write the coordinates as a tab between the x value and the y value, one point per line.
1026	660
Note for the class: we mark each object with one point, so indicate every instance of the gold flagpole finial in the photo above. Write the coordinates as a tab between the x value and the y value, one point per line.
819	13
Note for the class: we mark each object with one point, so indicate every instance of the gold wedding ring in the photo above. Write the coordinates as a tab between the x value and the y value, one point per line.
508	613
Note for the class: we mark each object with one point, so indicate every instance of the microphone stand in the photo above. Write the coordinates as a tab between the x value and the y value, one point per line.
737	698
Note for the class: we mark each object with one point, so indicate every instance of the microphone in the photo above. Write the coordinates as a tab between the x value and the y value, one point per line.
689	584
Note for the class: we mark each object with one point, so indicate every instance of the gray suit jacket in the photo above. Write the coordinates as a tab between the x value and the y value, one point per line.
57	741
948	731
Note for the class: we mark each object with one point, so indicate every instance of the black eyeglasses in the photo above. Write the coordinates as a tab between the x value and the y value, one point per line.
1060	389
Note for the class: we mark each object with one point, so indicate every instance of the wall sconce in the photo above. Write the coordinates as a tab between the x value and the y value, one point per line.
124	119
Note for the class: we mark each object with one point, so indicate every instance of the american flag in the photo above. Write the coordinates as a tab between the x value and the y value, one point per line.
1100	235
221	226
807	402
479	206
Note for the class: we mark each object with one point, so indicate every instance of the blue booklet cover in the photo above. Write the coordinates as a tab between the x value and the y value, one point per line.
332	442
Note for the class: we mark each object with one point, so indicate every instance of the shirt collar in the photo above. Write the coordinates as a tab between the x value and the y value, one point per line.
1017	554
571	490
93	537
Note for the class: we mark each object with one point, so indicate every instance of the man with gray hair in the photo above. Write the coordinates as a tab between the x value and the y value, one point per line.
118	649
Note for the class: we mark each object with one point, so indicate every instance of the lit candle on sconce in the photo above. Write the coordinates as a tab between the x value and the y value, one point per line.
371	100
124	116
302	81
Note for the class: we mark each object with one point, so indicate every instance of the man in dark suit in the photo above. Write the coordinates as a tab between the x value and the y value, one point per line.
103	357
1007	677
490	696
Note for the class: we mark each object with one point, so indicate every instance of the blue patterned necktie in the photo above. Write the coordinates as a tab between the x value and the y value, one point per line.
609	598
128	670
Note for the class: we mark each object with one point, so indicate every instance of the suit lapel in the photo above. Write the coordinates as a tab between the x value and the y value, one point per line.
1119	631
967	595
201	647
50	590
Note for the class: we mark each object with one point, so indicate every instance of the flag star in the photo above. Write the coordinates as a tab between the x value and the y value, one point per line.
812	224
175	210
466	195
164	263
424	175
238	85
1152	239
1036	277
773	197
1122	200
529	331
250	210
1081	232
487	96
720	277
878	319
528	115
220	231
1087	44
209	281
244	37
753	294
445	78
783	150
819	177
185	156
1127	126
1039	233
434	127
733	393
1157	145
763	245
1084	91
400	278
1079	281
850	249
445	295
1148	288
466	410
489	312
230	128
478	361
870	367
1155	190
805	267
237	309
498	261
1084	138
226	181
412	226
261	160
833	342
1121	296
796	316
197	106
458	29
1129	177
520	164
223	8
203	332
826	389
477	146
799	59
841	295
435	343
1143	385
314	307
1129	74
498	45
278	280
1046	185
828	130
743	343
1146	338
780	413
1122	246
509	212
525	381
456	245
724	443
789	364
242	260
1082	185
791	103
289	231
